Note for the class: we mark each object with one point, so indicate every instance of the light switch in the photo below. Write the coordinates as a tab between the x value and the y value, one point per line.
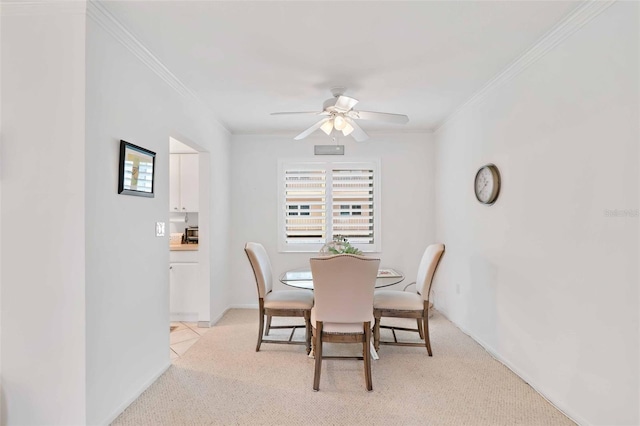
159	229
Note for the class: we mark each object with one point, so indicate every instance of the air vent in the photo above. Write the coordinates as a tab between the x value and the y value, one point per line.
328	149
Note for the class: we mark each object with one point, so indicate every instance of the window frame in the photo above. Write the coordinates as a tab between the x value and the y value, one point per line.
328	166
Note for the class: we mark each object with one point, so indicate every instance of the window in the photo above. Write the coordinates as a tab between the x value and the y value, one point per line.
320	200
298	210
353	210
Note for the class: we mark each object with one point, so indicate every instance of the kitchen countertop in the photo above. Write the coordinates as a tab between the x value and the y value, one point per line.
183	247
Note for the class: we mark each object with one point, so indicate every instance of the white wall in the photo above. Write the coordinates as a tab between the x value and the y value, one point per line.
127	273
85	306
43	222
546	280
221	229
1	392
407	200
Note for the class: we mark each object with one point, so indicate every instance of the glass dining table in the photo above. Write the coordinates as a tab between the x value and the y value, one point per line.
301	278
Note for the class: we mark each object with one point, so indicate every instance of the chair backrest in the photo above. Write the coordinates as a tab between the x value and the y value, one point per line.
343	287
427	269
261	265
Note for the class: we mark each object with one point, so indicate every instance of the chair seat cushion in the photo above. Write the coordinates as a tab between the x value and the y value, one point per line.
338	327
397	300
289	299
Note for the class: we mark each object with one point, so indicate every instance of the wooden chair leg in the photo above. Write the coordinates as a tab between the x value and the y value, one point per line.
260	329
307	323
376	334
366	348
420	332
425	321
318	355
266	331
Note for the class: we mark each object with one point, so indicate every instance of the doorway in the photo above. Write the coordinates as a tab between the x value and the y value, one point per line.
189	264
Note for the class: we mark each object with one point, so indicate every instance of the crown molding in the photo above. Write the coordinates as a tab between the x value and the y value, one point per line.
571	23
99	13
42	8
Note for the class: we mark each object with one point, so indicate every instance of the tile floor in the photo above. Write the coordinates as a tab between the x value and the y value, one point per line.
183	335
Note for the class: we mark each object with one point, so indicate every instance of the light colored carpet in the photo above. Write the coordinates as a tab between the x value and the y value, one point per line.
223	381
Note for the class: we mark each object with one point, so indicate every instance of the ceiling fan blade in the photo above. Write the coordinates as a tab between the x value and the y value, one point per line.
345	103
301	112
312	129
379	116
357	133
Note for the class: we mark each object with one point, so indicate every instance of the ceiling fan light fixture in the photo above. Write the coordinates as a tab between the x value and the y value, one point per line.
339	114
327	127
347	129
339	122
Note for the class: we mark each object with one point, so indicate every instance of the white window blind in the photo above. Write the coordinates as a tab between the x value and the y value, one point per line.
305	206
323	199
352	212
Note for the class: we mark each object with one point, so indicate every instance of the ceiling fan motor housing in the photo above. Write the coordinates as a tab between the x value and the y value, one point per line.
339	104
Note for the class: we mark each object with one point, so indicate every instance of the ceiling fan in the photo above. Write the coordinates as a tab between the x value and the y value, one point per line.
339	115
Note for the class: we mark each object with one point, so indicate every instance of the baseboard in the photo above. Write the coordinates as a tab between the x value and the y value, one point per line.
244	306
515	370
135	395
215	320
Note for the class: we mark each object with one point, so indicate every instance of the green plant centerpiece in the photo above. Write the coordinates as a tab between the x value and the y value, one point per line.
339	245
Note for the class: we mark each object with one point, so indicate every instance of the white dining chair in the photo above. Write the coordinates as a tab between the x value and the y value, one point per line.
343	309
407	304
281	303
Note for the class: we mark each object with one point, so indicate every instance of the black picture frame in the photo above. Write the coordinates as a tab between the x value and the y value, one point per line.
136	173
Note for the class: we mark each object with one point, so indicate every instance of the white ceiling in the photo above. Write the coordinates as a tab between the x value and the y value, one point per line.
422	58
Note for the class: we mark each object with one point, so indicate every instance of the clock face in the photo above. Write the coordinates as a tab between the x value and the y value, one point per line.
487	184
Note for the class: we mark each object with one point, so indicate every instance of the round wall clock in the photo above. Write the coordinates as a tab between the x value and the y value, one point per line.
487	184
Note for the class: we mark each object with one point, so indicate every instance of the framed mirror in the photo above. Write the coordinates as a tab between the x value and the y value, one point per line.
136	171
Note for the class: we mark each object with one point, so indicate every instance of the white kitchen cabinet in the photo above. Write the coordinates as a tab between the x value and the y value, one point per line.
174	182
184	296
183	181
